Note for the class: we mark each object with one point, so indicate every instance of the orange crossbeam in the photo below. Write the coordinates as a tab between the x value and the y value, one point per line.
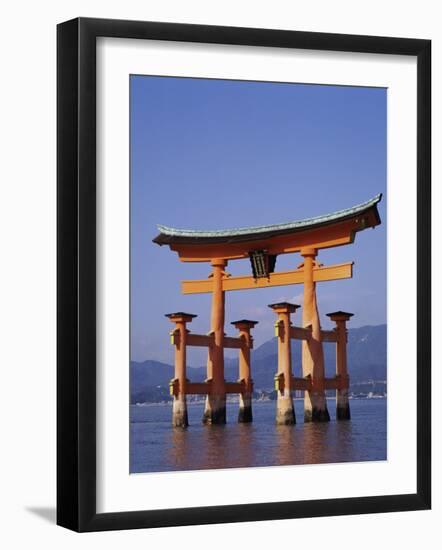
203	388
200	340
233	343
328	273
306	384
298	333
301	383
207	340
329	336
337	383
235	387
197	388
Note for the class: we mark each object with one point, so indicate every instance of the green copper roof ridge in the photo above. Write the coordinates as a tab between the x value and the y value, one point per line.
172	231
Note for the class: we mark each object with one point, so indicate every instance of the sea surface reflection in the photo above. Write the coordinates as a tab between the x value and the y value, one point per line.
155	446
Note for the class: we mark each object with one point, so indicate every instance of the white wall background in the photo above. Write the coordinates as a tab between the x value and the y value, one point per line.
27	274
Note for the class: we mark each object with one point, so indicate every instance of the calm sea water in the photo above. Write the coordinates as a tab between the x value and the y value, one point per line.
157	447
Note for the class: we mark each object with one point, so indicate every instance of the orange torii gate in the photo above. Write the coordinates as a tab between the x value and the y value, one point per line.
262	245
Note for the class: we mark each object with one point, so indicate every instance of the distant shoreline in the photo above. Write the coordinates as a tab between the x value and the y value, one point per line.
201	402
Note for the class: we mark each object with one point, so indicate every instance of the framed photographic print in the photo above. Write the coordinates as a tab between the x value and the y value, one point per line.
243	274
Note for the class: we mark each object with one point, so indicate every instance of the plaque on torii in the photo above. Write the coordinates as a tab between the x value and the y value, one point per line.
262	245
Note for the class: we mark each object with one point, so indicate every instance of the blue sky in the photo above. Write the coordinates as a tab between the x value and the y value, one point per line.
212	154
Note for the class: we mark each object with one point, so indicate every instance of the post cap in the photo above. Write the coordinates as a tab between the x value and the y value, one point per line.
244	322
339	315
180	315
287	306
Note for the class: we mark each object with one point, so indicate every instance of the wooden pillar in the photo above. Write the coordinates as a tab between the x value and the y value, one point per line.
342	404
315	403
285	413
215	407
178	384
245	397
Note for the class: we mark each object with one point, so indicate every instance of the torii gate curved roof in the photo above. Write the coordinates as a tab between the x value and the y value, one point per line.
334	229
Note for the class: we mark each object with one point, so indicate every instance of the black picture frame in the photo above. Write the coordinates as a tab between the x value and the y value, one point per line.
76	274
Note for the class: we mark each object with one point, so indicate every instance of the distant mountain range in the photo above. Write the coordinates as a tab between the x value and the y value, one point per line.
367	360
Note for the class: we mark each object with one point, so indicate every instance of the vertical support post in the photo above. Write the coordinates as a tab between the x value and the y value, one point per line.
215	406
245	397
342	404
315	403
285	413
178	383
